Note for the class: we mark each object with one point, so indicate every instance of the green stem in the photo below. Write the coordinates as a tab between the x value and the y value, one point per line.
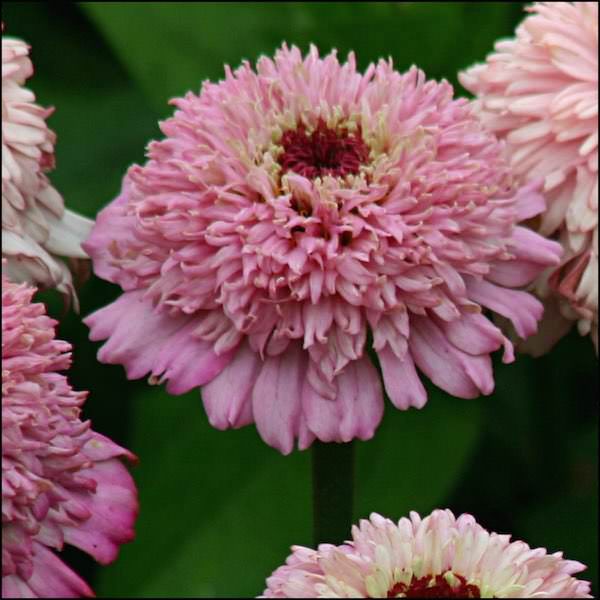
333	491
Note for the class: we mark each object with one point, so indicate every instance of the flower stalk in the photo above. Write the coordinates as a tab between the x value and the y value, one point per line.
333	491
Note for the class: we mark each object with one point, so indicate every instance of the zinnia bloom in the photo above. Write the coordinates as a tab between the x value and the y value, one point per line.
539	92
61	481
292	210
439	556
36	227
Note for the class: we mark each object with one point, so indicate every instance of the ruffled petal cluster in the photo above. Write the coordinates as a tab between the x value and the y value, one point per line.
539	92
61	481
296	217
438	556
36	228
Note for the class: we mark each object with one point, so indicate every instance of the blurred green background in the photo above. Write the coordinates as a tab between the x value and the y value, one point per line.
219	510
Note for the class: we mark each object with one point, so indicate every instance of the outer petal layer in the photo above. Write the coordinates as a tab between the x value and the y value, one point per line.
145	340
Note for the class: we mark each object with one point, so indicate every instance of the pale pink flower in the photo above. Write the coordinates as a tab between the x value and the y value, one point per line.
539	92
61	481
36	227
439	556
291	210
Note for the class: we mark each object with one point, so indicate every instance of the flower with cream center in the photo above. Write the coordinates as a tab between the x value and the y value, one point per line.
438	556
539	92
293	209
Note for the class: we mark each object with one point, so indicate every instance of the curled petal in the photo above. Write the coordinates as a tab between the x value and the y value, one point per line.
455	371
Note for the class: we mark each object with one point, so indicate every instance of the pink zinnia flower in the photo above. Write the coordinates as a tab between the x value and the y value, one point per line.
291	210
540	93
435	557
36	227
61	481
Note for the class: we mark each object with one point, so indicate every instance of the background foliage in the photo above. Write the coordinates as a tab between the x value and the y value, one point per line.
220	509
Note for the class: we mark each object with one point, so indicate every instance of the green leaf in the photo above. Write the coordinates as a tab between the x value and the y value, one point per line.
170	48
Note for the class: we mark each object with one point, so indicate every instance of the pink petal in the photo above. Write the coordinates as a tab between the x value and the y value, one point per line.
111	224
113	509
305	436
102	448
361	400
322	414
188	362
528	245
529	202
520	307
402	382
136	333
277	398
513	273
454	371
51	578
14	587
356	410
317	321
228	397
144	340
475	334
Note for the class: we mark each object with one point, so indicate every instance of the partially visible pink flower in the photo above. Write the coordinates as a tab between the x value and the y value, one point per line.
539	92
36	227
292	210
438	556
61	481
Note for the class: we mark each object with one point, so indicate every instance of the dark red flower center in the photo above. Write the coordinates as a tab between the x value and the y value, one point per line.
322	152
436	587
